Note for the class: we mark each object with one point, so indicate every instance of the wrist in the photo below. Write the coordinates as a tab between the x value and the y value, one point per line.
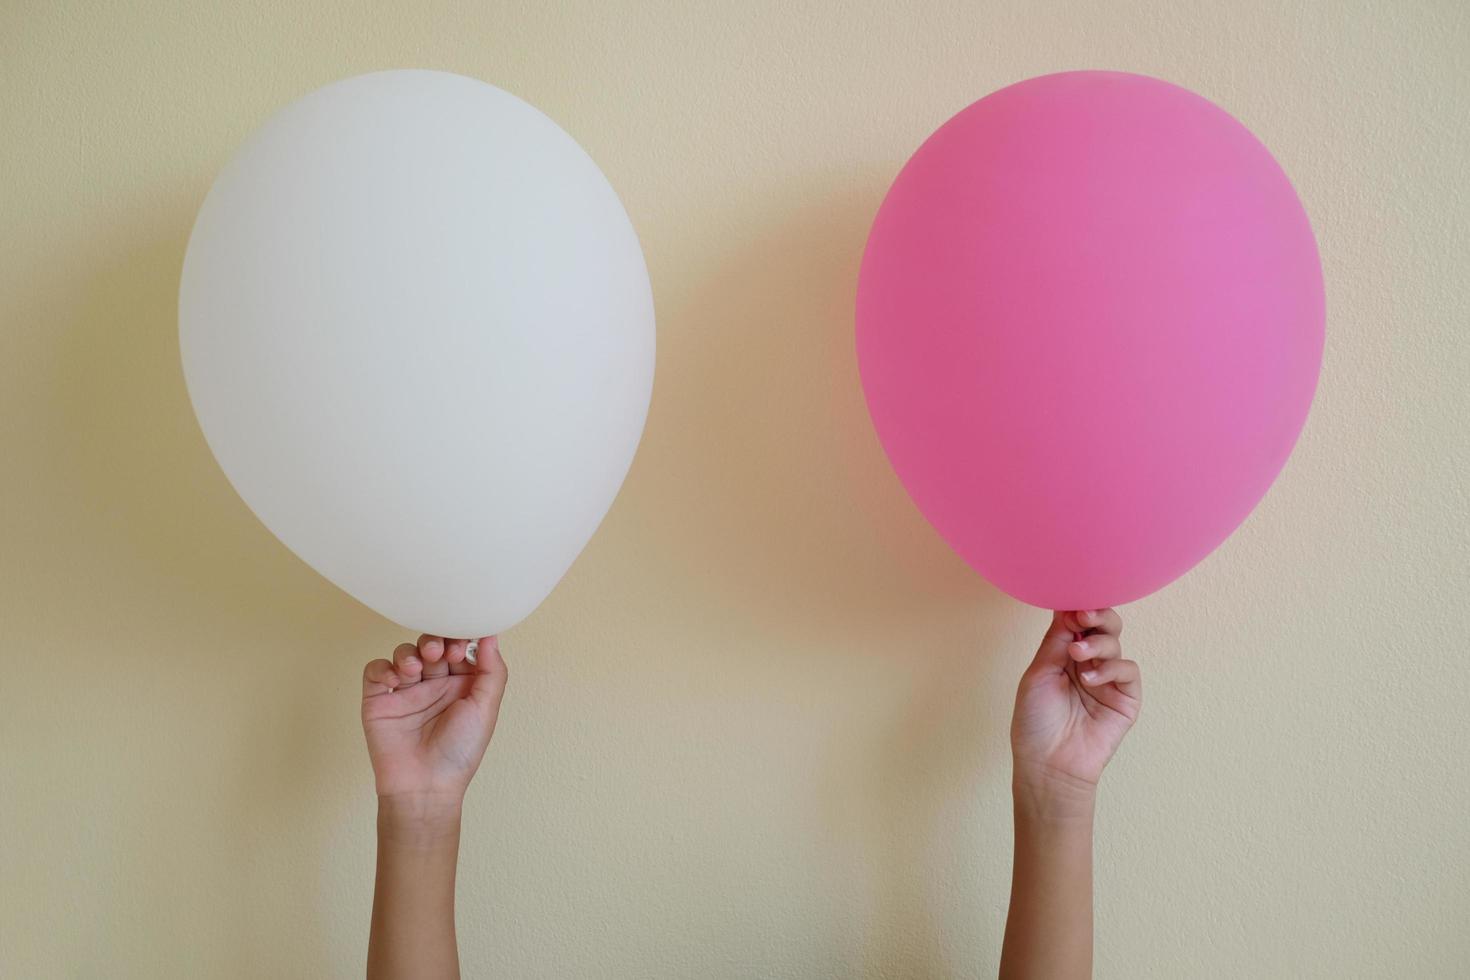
1048	796
419	819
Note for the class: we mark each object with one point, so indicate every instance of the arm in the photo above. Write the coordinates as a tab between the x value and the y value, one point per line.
428	715
1075	703
413	899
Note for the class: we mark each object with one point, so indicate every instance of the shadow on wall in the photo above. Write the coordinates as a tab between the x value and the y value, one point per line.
145	481
775	495
941	757
221	601
772	487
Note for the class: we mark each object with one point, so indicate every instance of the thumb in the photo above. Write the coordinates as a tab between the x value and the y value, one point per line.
490	676
1052	655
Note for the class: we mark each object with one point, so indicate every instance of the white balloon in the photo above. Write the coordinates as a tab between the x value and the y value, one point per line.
417	330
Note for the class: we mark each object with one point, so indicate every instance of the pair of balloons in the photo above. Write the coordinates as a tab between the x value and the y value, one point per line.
418	333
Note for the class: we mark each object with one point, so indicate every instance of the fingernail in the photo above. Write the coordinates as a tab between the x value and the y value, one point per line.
1081	645
412	662
1089	675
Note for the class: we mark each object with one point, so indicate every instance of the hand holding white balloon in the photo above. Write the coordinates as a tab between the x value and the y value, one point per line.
417	330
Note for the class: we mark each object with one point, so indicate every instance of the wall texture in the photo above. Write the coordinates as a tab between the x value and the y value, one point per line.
759	731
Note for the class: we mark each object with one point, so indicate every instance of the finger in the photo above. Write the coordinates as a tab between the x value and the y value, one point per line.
1124	674
491	676
431	651
1098	646
378	677
408	664
454	651
464	665
1096	621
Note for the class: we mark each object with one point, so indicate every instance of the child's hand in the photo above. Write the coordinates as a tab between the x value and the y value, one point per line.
1075	703
428	716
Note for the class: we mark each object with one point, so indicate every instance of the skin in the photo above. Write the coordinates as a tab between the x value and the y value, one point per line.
1074	704
427	715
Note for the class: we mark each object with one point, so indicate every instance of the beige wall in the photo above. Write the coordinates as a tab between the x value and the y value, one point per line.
759	731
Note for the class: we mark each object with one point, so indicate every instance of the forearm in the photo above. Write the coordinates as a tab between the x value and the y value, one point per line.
1049	927
413	901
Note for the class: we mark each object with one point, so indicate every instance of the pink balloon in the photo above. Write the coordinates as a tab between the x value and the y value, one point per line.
1089	324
